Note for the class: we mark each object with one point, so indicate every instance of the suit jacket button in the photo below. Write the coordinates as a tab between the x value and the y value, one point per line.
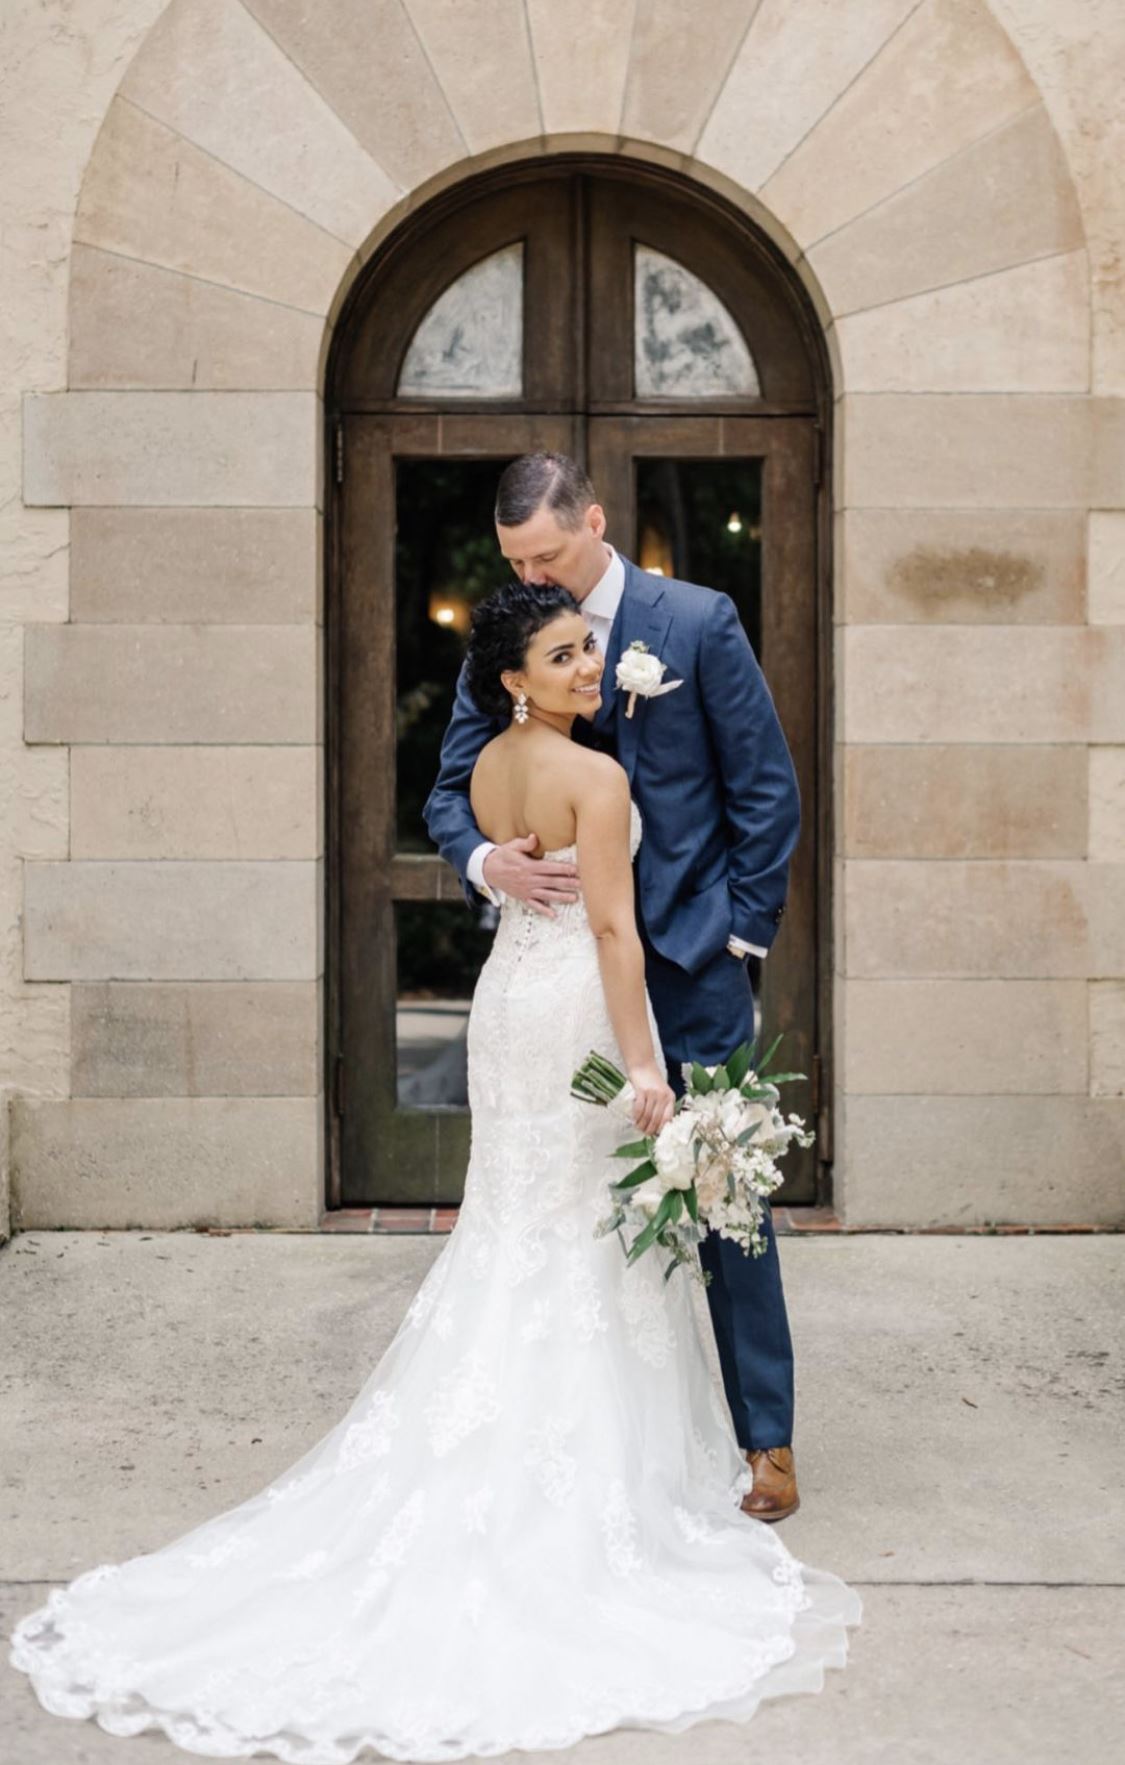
778	914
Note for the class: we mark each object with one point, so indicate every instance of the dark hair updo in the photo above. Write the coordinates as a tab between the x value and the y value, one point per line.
502	628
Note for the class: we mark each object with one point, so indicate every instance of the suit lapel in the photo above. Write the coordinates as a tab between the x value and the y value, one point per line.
641	614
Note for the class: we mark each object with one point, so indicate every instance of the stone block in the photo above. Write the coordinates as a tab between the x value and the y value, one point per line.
5	1170
139	325
966	450
364	58
964	1037
182	448
206	1039
787	75
963	801
962	566
1107	472
1107	567
1107	1039
964	1161
171	683
166	1163
911	683
194	566
482	58
171	921
949	76
676	71
1006	200
195	802
34	811
580	92
1107	804
151	195
1025	329
1024	919
209	70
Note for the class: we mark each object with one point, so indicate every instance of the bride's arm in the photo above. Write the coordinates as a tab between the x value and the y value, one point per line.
606	873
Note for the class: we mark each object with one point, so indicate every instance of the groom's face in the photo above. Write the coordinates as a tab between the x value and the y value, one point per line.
543	551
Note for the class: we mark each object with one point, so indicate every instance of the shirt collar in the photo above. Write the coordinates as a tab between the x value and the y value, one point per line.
604	598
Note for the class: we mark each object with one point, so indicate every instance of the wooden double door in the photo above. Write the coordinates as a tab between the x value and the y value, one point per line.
629	323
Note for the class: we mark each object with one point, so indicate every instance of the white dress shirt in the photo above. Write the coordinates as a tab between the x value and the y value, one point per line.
600	610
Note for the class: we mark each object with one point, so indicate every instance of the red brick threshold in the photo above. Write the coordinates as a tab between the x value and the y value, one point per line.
789	1222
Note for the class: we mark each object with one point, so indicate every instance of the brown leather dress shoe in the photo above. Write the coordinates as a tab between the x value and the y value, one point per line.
774	1495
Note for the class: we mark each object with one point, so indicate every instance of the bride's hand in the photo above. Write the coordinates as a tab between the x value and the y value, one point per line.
654	1102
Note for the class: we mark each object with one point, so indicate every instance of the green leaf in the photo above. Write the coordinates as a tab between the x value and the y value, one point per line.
719	1079
676	1198
641	1175
700	1078
738	1065
643	1241
785	1078
635	1149
770	1052
691	1202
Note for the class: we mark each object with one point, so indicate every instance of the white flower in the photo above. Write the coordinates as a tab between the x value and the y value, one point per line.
672	1152
639	671
751	1115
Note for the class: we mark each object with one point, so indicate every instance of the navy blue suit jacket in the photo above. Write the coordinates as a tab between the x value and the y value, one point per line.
708	765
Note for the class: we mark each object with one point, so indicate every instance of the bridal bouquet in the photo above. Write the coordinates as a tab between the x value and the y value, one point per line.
713	1166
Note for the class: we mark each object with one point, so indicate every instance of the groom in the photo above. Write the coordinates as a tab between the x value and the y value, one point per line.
711	773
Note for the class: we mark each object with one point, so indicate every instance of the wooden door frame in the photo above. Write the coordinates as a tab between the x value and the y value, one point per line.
426	429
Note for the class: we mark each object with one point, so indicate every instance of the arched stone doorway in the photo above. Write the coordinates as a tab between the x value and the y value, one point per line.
631	318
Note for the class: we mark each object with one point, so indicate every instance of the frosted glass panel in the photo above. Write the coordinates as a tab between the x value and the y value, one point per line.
471	340
687	343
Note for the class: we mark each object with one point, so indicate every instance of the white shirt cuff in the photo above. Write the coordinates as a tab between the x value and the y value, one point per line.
739	947
475	872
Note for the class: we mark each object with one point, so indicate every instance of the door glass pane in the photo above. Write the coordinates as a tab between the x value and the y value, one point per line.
471	340
441	946
701	520
686	343
446	560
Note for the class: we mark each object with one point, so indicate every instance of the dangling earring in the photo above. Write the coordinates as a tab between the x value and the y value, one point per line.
521	707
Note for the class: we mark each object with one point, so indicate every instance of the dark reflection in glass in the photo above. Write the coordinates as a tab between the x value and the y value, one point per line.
701	520
441	946
446	559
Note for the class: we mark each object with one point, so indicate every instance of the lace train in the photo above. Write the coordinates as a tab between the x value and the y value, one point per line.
525	1528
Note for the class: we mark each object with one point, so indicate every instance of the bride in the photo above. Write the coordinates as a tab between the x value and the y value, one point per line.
526	1529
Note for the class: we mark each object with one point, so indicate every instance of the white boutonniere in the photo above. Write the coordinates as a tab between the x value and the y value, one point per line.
638	674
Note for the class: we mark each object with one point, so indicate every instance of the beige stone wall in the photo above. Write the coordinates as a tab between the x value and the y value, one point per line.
191	191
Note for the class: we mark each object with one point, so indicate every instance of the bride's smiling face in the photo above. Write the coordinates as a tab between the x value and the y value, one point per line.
562	669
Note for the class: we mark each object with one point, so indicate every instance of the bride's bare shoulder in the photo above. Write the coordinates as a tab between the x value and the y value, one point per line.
599	775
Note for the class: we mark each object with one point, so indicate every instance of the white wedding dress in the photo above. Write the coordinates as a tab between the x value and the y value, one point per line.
526	1527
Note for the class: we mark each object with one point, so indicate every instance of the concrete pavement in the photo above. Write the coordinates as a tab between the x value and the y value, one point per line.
960	1429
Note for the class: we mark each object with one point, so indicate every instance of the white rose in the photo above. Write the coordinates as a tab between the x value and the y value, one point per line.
672	1153
639	672
734	1114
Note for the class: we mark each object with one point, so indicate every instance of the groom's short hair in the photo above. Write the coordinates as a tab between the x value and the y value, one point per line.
539	480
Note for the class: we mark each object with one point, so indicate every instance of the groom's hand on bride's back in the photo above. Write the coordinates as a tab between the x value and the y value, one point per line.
544	883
